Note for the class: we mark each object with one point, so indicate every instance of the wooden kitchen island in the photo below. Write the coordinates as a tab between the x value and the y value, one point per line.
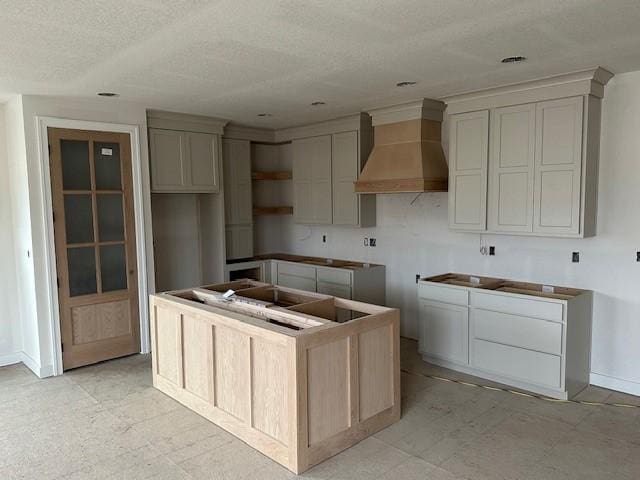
273	367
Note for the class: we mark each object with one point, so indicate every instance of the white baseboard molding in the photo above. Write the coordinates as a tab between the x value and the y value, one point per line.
613	383
42	371
10	359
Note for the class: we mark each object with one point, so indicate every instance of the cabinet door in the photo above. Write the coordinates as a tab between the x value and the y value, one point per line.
511	168
202	149
167	149
345	171
239	241
468	153
444	331
558	167
312	180
236	156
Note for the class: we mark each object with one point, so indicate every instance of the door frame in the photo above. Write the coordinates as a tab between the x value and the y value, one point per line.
140	205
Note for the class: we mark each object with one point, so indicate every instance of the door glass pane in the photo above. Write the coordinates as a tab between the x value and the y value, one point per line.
110	217
78	218
113	266
75	165
82	271
106	157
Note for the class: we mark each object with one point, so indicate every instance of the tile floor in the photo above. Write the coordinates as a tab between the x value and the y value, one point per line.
106	421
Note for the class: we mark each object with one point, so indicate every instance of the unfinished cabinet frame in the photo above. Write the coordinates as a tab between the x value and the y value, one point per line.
274	368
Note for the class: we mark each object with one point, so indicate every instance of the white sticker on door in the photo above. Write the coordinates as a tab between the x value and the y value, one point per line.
106	151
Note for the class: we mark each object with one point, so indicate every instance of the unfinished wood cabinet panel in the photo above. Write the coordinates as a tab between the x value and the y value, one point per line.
328	377
197	338
292	393
558	166
91	323
232	379
168	344
375	355
511	167
468	159
270	413
312	180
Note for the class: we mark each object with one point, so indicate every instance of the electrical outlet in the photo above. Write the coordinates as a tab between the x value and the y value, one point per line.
417	277
637	256
324	239
575	257
492	250
366	242
372	242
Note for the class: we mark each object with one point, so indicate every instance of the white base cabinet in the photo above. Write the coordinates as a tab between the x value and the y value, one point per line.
519	334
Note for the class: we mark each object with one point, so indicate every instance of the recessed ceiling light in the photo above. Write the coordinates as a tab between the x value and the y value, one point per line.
264	115
318	103
405	84
108	94
516	59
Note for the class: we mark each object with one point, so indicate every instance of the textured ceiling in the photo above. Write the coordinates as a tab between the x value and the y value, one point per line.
237	58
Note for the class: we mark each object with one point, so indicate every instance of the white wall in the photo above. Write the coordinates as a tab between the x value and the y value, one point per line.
10	328
415	239
29	216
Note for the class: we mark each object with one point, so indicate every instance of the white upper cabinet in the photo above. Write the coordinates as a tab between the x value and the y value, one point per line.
345	171
558	166
312	180
468	153
511	169
202	153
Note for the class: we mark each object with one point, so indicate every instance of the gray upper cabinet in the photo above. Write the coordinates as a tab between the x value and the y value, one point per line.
468	153
312	180
543	141
345	171
327	160
183	161
238	203
558	167
511	169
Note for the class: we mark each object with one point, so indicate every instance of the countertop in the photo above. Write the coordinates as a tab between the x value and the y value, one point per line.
316	261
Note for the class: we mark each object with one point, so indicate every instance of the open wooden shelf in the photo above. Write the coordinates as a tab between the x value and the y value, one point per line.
283	210
283	175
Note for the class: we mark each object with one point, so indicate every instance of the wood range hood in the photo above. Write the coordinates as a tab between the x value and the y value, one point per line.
407	154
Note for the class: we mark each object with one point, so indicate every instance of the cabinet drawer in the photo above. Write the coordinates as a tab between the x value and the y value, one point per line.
334	275
517	306
456	296
299	283
297	270
518	331
335	290
524	365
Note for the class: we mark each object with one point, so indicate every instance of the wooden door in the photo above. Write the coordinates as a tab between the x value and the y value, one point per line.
92	193
345	171
511	168
558	167
468	154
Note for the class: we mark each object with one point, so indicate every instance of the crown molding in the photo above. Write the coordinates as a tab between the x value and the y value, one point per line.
420	109
583	82
253	134
185	122
342	124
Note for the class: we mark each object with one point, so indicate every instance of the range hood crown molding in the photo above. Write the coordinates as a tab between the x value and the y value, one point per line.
420	109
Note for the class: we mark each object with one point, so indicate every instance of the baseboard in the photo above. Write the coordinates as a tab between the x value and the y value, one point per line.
613	383
10	359
42	371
